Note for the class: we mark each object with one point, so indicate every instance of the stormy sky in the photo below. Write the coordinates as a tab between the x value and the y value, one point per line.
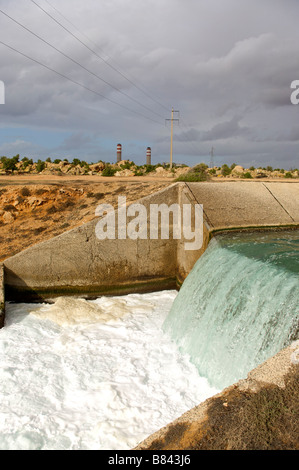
110	71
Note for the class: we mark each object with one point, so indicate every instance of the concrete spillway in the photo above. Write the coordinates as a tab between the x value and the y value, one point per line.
77	262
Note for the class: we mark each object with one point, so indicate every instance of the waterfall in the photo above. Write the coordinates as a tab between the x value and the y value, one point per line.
239	305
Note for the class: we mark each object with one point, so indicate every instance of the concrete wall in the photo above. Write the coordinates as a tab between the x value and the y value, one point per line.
248	203
2	296
76	262
222	421
187	258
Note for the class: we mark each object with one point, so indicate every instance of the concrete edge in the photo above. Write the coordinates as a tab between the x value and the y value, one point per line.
272	372
2	296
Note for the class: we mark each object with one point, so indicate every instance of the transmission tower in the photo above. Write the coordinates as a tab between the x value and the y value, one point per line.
212	158
171	136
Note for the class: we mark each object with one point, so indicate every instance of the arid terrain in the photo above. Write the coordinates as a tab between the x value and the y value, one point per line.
34	208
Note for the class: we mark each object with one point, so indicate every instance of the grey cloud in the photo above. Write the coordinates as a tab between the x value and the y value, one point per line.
225	130
227	66
77	140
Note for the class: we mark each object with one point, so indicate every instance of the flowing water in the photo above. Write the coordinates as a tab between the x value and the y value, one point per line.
105	374
239	305
92	374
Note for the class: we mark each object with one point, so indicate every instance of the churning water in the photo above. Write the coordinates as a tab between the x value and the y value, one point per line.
239	305
92	374
104	374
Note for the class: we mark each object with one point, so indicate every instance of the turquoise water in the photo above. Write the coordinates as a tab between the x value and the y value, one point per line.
239	305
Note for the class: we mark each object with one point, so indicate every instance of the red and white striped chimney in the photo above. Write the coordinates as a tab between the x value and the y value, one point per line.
148	156
118	152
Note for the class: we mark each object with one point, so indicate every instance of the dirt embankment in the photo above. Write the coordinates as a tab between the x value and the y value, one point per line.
33	209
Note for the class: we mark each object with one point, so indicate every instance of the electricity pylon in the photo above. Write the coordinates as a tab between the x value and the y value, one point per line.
212	158
171	134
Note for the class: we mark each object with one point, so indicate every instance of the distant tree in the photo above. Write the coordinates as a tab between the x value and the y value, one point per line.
225	170
269	168
9	164
40	166
108	171
76	161
26	162
56	161
49	160
149	168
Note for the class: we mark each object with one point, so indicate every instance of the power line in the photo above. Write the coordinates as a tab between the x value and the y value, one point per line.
106	61
189	141
76	83
76	62
81	42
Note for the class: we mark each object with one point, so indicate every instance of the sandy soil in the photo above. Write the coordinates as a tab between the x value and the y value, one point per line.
38	207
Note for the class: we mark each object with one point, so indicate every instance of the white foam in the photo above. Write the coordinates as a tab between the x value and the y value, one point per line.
97	374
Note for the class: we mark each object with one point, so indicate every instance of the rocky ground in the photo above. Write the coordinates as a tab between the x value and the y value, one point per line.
128	169
42	200
36	209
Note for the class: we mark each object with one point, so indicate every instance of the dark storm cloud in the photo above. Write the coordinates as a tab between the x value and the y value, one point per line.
226	65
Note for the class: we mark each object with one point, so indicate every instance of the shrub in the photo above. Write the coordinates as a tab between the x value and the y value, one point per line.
26	162
197	173
288	175
247	175
225	170
40	166
25	191
108	171
10	163
149	168
127	165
